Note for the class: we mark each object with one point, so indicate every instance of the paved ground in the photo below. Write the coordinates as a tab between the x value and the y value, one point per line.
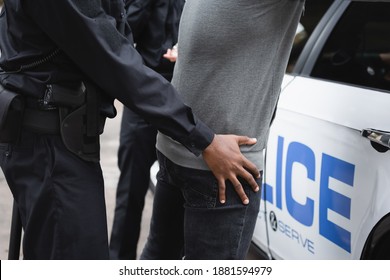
109	147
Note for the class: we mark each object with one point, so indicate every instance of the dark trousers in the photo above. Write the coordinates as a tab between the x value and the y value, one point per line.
136	155
60	199
187	217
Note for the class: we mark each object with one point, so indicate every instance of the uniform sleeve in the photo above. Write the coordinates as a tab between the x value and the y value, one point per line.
89	37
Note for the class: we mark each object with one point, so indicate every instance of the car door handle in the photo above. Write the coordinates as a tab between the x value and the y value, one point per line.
377	137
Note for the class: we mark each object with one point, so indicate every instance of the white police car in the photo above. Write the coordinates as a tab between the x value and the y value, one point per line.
326	192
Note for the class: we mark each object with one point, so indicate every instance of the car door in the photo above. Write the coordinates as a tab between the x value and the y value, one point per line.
314	12
326	186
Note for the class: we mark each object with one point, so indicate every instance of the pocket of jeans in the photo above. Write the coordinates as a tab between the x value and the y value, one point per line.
200	190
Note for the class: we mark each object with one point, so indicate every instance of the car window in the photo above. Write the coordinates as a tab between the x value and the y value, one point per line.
358	50
314	11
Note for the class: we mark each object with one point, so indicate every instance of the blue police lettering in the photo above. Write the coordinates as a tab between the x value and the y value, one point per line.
299	153
337	202
331	167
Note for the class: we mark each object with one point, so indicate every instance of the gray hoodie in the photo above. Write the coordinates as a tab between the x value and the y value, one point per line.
232	58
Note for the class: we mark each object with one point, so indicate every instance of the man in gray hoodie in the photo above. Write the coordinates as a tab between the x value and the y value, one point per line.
231	62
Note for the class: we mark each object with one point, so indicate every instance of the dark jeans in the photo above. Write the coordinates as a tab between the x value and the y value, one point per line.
136	154
188	218
60	199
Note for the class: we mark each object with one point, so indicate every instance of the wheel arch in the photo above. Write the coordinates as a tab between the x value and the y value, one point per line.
377	246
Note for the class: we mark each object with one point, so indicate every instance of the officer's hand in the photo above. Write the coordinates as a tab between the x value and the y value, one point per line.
225	160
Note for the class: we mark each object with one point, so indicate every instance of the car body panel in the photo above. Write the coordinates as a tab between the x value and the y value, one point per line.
317	176
326	187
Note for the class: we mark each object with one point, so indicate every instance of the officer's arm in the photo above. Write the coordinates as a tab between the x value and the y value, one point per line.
90	38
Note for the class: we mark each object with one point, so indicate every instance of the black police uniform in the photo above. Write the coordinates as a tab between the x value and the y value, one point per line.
48	48
154	25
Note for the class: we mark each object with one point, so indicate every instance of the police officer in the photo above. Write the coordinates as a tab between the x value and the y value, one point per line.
63	63
154	25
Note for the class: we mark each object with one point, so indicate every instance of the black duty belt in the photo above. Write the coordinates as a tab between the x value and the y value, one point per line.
41	121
